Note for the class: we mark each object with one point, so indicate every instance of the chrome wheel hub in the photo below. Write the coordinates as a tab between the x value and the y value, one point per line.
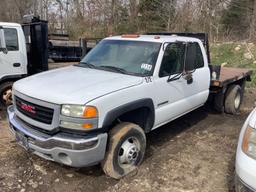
7	97
129	152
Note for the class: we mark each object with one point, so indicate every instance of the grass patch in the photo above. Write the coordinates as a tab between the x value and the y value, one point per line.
242	55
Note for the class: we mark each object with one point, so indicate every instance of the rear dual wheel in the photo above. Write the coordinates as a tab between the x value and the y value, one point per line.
233	99
126	149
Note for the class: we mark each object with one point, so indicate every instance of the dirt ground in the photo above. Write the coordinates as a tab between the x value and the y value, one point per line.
193	153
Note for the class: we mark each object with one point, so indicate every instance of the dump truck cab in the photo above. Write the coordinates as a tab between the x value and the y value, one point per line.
13	57
23	52
13	54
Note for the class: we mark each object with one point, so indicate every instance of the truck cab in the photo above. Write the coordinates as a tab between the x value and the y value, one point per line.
23	52
13	58
98	111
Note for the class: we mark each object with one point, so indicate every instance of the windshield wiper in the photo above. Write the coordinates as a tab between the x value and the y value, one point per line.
85	64
117	69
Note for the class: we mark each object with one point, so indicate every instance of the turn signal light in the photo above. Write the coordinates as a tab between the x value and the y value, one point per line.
216	83
87	125
90	112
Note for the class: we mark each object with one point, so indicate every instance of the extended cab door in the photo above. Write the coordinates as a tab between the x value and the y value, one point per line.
14	61
197	73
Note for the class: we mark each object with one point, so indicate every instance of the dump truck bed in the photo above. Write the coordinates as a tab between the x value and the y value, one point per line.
230	75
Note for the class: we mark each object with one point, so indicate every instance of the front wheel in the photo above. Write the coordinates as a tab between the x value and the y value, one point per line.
6	94
127	145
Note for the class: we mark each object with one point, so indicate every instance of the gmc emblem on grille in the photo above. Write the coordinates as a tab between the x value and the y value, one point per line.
28	108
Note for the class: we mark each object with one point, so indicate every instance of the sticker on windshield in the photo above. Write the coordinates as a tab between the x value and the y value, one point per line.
146	66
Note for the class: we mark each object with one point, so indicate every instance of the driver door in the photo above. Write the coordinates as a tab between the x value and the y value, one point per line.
171	100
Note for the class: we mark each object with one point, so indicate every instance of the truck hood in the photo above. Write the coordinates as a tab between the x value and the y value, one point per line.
74	85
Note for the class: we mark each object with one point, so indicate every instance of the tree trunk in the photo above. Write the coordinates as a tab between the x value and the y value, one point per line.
253	22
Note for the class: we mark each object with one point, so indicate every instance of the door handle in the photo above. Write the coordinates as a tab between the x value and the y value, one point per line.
190	81
16	64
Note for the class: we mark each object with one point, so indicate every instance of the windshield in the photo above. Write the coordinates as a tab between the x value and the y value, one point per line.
130	57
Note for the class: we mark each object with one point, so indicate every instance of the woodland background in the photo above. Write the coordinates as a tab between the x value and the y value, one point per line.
224	20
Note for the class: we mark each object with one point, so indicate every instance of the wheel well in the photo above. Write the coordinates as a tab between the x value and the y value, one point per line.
9	80
141	116
140	112
240	82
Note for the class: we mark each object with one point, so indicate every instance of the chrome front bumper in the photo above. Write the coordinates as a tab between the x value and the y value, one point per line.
241	186
63	148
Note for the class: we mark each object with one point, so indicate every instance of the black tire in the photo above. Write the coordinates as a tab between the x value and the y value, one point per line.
122	135
233	99
6	94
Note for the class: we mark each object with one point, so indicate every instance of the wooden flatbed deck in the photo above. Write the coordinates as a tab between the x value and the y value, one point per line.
60	64
229	75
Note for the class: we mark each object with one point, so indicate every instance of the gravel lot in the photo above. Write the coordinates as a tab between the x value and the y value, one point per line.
193	153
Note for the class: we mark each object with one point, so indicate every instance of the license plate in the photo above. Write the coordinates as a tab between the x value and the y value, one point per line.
22	140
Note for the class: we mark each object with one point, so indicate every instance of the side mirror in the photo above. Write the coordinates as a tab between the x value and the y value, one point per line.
3	47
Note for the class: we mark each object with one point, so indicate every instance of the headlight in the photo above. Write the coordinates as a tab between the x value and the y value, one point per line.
86	117
249	142
79	111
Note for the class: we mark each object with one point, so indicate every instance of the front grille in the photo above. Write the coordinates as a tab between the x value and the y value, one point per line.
33	111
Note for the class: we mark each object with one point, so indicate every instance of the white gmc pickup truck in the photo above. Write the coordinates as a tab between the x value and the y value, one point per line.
99	111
